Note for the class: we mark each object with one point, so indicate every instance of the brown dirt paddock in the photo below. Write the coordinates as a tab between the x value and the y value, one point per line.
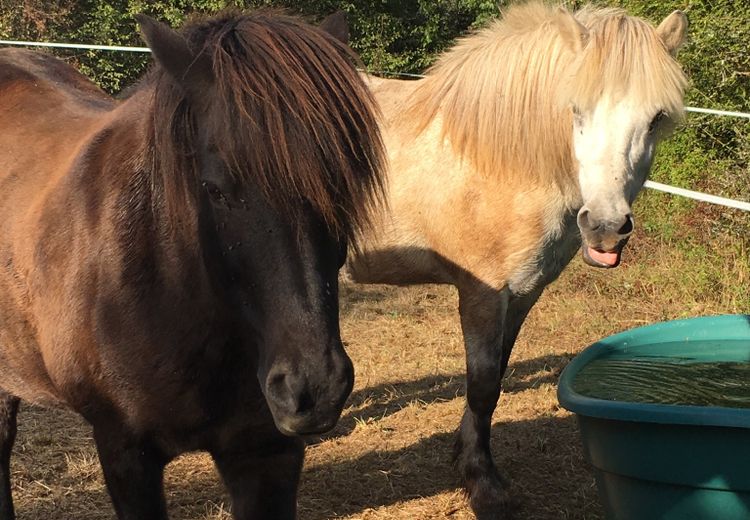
389	457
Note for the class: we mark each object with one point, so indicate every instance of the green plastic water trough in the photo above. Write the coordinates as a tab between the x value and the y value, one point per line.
667	462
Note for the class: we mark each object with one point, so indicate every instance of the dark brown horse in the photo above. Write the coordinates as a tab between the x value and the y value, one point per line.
169	262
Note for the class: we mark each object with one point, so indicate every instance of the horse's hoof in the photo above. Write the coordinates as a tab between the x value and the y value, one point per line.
489	499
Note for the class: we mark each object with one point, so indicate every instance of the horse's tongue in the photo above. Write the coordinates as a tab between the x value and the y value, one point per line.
604	258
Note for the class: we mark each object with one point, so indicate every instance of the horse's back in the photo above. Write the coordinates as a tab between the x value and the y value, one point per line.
25	69
44	99
47	108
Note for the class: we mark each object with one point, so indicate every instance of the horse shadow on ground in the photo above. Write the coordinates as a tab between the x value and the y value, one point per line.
541	460
380	401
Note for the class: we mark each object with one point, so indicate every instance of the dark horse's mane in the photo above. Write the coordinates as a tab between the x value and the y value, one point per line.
286	111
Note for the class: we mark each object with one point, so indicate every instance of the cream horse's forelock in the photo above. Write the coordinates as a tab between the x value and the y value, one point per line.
624	56
504	94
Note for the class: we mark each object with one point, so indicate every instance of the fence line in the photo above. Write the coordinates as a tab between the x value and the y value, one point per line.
76	46
717	112
695	195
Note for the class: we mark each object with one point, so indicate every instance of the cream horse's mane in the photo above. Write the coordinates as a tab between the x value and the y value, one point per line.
504	93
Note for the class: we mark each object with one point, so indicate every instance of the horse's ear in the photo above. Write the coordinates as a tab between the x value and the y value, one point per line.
337	26
673	31
573	31
171	51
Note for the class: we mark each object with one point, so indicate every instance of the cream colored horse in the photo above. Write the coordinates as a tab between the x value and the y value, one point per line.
526	141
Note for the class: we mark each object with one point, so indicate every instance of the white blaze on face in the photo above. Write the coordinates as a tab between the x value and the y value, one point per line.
614	146
614	139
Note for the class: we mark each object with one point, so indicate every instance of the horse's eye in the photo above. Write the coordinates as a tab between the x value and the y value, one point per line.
656	120
213	191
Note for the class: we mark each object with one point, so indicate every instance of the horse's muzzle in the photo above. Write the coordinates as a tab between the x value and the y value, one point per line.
310	401
604	239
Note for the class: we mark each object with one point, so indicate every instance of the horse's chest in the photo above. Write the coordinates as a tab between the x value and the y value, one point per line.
553	255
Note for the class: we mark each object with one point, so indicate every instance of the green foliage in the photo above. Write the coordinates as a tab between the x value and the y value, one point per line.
408	35
390	35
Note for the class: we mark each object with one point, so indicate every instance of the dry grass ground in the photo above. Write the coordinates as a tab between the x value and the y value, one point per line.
389	457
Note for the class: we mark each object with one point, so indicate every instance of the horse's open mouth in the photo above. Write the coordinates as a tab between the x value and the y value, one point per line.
604	259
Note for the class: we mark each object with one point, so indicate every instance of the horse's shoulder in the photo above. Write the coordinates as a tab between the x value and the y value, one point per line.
21	67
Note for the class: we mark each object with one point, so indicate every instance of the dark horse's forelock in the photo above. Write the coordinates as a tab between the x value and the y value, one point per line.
286	110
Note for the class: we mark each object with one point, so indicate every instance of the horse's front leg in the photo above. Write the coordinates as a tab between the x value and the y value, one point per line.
262	479
133	471
8	412
490	321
